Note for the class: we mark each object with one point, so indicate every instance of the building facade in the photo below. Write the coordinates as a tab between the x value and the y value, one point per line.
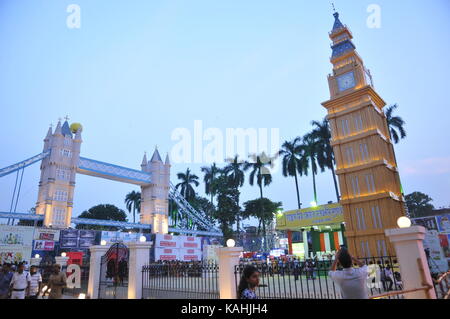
368	177
58	172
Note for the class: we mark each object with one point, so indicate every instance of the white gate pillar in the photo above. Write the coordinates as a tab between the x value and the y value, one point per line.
94	269
139	256
228	259
408	244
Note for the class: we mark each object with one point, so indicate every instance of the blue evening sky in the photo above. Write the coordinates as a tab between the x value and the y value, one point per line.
137	70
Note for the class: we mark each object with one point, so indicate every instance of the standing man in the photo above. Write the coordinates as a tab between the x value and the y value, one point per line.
19	283
351	281
57	282
35	280
5	280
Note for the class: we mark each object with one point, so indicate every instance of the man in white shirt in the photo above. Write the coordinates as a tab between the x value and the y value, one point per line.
35	282
351	281
19	283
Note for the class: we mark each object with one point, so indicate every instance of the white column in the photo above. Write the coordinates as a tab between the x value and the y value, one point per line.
228	258
305	243
94	269
408	243
139	256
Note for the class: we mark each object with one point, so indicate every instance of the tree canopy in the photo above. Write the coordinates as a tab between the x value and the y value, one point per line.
419	204
104	212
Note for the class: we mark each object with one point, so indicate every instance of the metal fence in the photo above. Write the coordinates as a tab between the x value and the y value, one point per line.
309	279
180	280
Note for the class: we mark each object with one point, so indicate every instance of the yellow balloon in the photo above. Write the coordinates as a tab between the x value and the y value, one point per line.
75	126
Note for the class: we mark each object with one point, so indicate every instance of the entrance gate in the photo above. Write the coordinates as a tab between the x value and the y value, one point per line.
113	282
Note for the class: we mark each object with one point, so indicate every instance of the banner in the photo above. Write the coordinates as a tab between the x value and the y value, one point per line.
189	242
116	236
190	254
46	234
166	254
45	245
164	240
443	222
435	253
77	239
429	223
320	215
210	252
15	243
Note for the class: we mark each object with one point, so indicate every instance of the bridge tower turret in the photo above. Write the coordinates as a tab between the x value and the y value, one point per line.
58	171
155	196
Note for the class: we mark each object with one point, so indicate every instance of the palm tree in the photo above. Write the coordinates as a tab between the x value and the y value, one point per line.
187	179
325	156
259	169
234	172
311	151
395	123
236	177
133	202
210	175
294	162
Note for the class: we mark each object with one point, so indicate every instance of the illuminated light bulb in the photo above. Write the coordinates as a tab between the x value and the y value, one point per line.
313	204
231	243
63	254
82	296
142	239
103	243
404	222
36	256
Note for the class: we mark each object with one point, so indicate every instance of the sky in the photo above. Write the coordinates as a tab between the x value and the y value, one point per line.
136	71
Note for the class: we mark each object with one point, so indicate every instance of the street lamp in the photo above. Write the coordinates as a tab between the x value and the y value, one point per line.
230	243
404	222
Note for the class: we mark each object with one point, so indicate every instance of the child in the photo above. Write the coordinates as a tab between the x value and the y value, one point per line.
249	282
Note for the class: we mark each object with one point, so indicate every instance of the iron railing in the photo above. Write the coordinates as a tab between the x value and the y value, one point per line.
180	280
442	286
309	279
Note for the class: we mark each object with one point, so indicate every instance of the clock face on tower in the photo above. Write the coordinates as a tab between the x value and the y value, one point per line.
346	81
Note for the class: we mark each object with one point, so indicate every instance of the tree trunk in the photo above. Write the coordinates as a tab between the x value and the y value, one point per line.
335	183
134	213
314	186
298	194
264	235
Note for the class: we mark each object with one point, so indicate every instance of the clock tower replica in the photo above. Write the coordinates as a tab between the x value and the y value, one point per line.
368	177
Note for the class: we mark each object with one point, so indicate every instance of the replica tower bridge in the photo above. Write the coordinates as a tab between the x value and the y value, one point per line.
61	161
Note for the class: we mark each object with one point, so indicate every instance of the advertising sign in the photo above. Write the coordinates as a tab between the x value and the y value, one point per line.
210	252
443	223
46	234
320	215
189	242
45	245
74	238
429	223
116	236
166	254
188	254
15	243
168	241
435	253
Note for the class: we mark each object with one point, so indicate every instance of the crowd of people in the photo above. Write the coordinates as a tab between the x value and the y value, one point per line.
354	282
18	282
